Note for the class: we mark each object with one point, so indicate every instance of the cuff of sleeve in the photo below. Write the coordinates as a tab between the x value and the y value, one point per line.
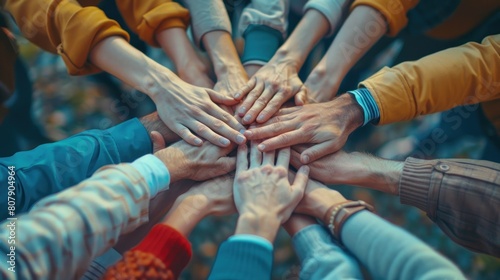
253	239
331	10
367	102
311	239
415	183
155	173
261	42
170	246
132	140
167	15
91	25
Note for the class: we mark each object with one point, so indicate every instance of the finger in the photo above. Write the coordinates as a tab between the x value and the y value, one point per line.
242	159
204	131
317	151
238	95
274	129
284	140
158	141
186	135
301	147
221	128
250	99
258	105
268	158
301	178
220	98
295	159
255	155
224	115
273	105
283	157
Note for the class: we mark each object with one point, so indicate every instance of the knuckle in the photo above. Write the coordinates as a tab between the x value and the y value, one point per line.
195	111
201	129
281	171
218	124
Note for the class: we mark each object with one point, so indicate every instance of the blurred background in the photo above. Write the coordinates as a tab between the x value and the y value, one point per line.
62	105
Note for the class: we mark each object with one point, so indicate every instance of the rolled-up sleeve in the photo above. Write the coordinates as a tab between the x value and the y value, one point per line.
461	196
66	28
394	11
147	18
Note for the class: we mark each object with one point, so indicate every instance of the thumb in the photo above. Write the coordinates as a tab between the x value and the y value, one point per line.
220	98
158	141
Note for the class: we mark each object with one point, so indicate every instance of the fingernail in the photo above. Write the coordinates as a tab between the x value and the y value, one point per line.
242	110
240	139
260	118
261	147
237	96
224	141
198	141
247	118
305	159
248	133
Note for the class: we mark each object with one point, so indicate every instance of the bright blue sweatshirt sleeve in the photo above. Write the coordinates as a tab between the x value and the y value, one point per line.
321	258
240	259
389	252
53	167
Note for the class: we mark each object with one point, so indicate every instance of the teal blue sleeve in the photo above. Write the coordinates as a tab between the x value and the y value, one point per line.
389	252
261	42
239	259
53	167
321	258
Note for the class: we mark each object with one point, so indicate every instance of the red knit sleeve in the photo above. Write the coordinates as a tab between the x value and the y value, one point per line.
162	254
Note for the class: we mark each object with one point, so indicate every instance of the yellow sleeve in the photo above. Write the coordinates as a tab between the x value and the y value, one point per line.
394	12
147	18
65	27
468	74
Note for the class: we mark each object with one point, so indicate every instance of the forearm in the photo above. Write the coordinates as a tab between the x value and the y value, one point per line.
263	225
71	232
53	167
306	35
362	29
391	253
222	52
176	45
115	56
462	75
152	122
186	213
458	195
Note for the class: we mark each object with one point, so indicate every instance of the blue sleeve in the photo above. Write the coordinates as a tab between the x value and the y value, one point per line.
364	97
261	42
53	167
239	259
321	258
389	252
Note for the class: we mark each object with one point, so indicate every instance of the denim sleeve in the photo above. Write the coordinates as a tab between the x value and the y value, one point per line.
53	167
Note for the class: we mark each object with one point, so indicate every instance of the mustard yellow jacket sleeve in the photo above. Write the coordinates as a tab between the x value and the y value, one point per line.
394	12
66	28
467	74
148	17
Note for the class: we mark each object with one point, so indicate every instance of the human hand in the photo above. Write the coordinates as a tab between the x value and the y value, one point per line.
263	195
229	83
268	89
212	197
152	122
195	72
327	125
251	69
187	109
297	222
184	161
355	168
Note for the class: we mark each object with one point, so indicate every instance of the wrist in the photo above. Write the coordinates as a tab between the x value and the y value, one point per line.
152	122
320	200
352	112
260	224
186	213
290	57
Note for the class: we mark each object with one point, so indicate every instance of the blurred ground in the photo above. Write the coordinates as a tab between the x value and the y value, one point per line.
65	105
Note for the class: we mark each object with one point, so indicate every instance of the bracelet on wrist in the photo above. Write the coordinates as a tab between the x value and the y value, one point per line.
339	213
